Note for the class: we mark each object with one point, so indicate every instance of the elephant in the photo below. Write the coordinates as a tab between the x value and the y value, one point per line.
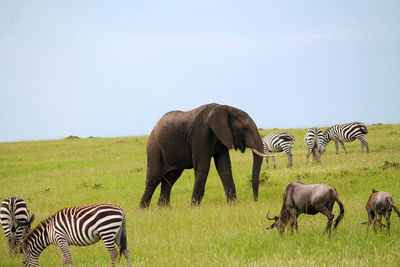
188	140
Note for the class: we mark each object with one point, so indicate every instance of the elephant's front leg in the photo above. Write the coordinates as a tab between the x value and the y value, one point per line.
201	172
223	165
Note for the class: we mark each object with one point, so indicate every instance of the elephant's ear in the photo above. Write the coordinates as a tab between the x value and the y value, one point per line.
219	124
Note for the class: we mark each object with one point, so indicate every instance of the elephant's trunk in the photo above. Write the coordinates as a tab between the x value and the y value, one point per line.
256	146
257	161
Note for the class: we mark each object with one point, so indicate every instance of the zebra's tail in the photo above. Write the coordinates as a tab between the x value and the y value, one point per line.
121	239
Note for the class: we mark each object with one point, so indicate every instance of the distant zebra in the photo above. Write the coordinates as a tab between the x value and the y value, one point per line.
313	140
78	226
347	132
16	221
277	143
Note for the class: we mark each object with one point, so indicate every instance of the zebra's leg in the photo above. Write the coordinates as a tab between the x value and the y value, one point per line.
290	159
363	143
66	254
342	143
127	257
336	146
11	243
110	245
308	153
273	159
266	159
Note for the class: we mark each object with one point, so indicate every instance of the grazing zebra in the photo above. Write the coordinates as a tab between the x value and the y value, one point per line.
78	226
313	139
277	143
16	221
347	132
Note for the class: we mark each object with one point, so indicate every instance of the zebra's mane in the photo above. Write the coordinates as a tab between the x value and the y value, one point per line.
40	225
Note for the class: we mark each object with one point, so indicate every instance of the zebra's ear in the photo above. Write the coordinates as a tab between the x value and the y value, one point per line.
219	124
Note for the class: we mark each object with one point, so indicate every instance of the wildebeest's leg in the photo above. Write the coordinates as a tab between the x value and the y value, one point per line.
330	217
166	186
223	164
342	143
371	218
201	172
387	218
378	222
296	226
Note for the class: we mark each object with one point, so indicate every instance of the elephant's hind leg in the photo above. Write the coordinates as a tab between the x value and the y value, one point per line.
166	186
151	185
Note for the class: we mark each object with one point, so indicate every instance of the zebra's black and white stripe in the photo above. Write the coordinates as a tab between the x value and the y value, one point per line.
347	132
277	143
313	139
79	226
16	221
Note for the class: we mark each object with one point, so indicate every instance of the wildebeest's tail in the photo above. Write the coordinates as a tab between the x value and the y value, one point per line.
394	207
340	217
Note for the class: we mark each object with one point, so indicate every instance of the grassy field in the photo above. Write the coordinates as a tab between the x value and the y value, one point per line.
51	175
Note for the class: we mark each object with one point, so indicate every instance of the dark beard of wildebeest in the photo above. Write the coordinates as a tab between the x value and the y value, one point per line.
308	199
380	204
186	140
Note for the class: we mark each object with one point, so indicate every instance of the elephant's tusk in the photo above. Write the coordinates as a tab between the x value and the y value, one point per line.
258	153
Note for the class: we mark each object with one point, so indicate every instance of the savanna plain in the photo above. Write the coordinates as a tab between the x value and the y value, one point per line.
51	175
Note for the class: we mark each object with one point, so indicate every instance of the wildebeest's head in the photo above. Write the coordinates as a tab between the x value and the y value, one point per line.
277	224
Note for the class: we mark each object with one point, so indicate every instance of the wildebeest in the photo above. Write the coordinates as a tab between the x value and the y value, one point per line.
308	199
380	204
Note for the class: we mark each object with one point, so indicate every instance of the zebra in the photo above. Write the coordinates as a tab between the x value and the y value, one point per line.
16	221
313	139
78	226
347	132
277	143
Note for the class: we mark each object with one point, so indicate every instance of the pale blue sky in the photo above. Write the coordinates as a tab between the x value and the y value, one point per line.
113	68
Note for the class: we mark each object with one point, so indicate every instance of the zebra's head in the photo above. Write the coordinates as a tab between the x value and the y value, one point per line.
28	260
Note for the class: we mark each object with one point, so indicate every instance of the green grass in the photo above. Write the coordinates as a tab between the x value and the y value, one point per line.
51	175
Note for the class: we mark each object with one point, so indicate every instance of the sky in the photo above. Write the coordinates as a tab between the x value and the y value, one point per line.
113	68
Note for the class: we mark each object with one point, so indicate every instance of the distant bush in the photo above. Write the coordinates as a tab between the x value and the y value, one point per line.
387	165
72	137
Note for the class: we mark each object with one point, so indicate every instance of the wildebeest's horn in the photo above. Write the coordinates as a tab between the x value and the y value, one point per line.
269	217
258	153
